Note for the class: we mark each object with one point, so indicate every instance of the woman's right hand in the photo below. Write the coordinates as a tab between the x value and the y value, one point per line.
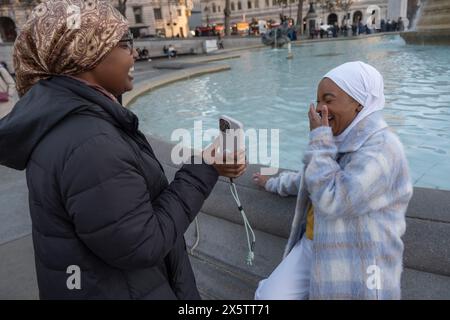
260	180
234	168
230	166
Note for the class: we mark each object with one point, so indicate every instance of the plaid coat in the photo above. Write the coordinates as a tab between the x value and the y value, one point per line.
360	193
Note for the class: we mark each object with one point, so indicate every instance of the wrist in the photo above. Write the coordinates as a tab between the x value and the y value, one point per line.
321	133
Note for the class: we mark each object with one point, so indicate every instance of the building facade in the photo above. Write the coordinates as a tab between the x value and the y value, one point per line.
246	10
166	18
13	14
172	18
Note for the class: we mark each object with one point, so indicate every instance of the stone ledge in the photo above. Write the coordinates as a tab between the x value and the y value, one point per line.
221	273
162	80
426	239
427	37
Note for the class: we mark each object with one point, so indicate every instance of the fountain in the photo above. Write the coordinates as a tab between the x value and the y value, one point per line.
432	25
276	37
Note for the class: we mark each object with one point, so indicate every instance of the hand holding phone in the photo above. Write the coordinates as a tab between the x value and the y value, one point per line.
232	131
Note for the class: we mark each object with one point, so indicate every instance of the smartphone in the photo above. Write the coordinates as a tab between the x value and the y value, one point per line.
232	132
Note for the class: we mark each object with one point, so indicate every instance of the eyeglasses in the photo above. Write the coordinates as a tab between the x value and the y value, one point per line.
128	42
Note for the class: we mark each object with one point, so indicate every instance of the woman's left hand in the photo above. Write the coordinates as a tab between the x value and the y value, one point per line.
315	120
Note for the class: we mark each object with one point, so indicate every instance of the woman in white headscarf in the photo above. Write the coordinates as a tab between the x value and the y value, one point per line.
353	192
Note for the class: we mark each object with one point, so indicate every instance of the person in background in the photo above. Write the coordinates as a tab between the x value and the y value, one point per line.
145	53
139	53
383	25
219	41
400	24
172	52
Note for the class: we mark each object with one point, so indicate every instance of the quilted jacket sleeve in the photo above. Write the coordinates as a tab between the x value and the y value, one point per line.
109	204
287	183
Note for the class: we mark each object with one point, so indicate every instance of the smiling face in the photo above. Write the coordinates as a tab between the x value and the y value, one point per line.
114	72
342	109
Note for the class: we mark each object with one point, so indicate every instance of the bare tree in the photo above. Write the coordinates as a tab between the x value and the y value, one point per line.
283	3
332	5
122	7
227	14
327	5
345	6
300	16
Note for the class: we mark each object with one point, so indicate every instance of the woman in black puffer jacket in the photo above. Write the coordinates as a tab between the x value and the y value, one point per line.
100	203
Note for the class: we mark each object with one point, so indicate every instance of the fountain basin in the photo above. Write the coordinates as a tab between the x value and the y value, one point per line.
427	37
433	24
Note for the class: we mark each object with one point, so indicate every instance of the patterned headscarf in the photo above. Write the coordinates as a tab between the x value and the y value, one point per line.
65	37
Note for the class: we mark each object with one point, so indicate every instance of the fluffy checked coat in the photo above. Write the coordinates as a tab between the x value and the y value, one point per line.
360	193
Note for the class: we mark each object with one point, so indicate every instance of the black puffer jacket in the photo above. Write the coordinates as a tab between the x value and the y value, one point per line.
99	198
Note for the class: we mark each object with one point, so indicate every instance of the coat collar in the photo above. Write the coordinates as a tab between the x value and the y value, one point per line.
360	133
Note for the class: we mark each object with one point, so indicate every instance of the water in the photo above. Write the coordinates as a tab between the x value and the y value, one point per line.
266	90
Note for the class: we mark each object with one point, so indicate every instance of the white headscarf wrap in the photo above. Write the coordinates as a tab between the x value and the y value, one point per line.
363	83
